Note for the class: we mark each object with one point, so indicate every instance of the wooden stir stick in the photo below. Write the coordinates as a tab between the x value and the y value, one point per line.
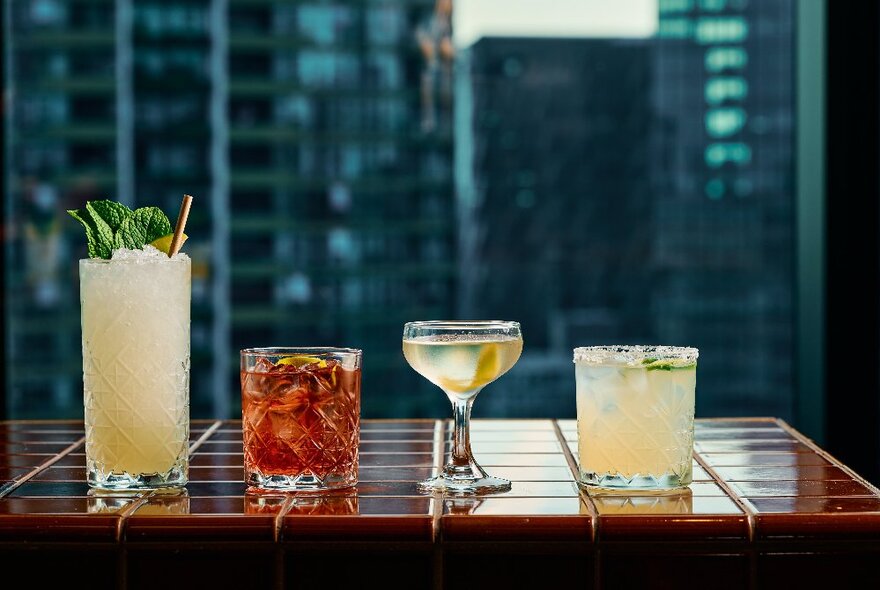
177	239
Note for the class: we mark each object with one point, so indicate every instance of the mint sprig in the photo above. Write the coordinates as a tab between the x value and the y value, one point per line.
110	225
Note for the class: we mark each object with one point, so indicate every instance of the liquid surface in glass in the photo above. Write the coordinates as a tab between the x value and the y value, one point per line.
461	364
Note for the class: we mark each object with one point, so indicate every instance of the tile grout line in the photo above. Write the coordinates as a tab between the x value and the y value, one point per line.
205	436
826	455
743	503
439	454
573	467
126	512
5	491
279	518
437	504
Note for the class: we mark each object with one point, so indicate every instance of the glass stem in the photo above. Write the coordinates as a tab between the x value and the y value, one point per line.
461	442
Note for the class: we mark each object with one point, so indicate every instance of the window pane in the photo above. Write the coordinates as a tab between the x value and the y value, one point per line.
601	175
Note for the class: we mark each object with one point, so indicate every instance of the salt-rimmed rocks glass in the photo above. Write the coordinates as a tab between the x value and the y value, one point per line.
635	411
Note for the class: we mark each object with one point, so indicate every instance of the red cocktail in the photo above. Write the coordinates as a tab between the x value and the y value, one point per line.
300	412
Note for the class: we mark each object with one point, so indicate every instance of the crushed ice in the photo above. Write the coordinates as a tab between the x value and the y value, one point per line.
147	254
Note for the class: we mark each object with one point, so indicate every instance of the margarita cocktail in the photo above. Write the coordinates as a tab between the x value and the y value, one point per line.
635	415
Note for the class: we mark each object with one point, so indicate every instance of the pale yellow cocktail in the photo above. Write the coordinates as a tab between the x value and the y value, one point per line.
136	362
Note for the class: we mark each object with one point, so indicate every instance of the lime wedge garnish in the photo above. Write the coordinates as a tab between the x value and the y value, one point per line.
164	243
301	361
668	364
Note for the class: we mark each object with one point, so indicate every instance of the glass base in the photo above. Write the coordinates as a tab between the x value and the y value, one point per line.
480	485
616	481
303	482
116	481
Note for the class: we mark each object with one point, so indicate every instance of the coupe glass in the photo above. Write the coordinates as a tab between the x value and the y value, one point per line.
461	358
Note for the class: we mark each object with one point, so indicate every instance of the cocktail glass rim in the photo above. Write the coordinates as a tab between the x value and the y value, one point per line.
622	354
314	350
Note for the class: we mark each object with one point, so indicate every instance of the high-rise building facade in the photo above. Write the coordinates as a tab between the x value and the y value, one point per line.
316	138
724	224
556	218
636	192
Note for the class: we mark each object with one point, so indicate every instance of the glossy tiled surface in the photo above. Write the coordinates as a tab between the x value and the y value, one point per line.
760	488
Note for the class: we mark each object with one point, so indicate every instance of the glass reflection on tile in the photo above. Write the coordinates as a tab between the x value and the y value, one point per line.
102	502
332	504
462	506
257	502
171	503
677	503
523	506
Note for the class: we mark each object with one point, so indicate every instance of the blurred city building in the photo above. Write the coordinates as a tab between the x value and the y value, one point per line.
316	137
635	192
607	190
723	234
556	221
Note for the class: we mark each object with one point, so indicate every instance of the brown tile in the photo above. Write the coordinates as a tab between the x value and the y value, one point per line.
521	460
783	473
216	473
713	565
217	459
68	474
700	474
8	474
706	488
741	434
71	460
210	446
762	459
61	489
396	459
375	519
396	435
395	506
483	448
216	488
515	506
755	489
41	436
826	526
226	436
30	461
501	436
513	426
42	426
815	504
338	503
397	488
693	505
752	446
425	425
60	519
425	446
185	517
532	473
511	519
375	474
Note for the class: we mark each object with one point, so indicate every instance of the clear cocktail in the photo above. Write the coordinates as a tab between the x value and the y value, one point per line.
136	362
635	411
461	358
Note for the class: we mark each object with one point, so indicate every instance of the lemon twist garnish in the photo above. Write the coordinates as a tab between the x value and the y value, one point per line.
300	361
